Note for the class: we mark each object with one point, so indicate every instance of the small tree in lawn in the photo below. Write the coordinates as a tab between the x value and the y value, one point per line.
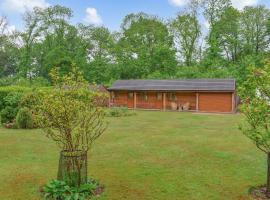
69	116
255	95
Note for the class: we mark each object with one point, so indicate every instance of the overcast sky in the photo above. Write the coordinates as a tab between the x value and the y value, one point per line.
105	12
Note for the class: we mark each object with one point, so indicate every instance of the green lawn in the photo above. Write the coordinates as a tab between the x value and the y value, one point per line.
153	155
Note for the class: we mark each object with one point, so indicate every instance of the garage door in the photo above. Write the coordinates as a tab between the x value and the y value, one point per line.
215	102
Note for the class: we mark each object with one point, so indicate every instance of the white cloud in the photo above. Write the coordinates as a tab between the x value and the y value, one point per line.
92	16
179	3
240	4
21	5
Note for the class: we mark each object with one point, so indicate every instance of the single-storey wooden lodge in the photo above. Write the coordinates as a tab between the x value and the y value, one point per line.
202	95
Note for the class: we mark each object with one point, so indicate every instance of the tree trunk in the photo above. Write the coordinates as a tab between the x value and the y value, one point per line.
268	175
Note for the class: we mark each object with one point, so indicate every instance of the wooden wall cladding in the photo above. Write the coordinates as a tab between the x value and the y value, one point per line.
215	102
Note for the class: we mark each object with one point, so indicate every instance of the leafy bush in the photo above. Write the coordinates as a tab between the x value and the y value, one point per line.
119	112
8	114
59	190
11	95
31	99
24	118
10	105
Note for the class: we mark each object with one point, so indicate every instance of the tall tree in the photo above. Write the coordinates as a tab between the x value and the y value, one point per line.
8	50
45	40
213	10
145	47
228	31
186	31
101	61
255	37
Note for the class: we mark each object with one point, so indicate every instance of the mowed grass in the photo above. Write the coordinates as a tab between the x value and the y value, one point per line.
153	155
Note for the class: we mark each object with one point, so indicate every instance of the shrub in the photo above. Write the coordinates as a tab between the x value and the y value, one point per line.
7	92
61	191
14	97
10	105
119	112
24	118
8	114
31	99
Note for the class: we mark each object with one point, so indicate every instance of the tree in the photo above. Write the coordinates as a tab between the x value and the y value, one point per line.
69	117
228	31
48	41
255	37
186	31
255	95
99	47
8	50
214	9
143	41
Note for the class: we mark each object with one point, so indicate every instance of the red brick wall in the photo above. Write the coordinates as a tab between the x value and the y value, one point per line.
215	102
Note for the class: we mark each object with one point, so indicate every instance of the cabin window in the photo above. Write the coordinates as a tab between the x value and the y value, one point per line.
130	95
143	96
159	96
172	96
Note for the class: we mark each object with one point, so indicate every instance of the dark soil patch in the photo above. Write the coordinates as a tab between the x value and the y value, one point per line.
259	193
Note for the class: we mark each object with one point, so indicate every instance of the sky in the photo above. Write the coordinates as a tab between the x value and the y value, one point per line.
109	13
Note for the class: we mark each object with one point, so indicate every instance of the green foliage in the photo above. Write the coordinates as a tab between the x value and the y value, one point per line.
119	112
145	47
9	106
10	95
59	190
24	119
8	114
255	94
186	31
6	81
68	114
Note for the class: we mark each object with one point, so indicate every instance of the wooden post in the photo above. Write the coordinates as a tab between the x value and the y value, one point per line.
233	101
134	100
110	99
197	101
164	101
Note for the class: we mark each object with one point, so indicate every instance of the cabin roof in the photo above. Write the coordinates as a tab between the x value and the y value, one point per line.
175	85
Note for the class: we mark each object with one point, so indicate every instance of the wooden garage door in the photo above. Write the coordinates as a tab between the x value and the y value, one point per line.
215	102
